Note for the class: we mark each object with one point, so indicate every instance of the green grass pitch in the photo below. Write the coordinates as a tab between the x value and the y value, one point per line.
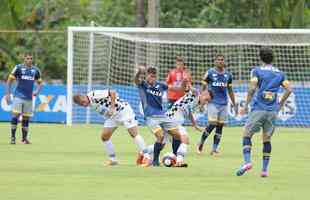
65	163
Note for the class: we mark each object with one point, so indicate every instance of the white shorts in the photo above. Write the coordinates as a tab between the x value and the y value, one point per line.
168	137
125	117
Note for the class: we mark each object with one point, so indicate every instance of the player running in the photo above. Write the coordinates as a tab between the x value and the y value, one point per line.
117	112
219	84
151	93
265	84
26	75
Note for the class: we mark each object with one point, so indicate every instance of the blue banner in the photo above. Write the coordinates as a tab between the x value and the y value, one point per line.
50	106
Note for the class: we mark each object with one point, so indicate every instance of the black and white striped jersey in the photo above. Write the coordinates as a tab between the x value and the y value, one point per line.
100	101
189	103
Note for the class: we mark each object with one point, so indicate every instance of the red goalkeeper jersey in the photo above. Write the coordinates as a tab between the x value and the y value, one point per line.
175	78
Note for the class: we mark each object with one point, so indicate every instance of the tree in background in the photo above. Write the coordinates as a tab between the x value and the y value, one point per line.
50	48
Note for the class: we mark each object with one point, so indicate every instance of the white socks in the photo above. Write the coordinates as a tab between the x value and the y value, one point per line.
139	142
110	149
182	150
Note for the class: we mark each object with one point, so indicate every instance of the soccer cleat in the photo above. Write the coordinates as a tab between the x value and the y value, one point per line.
214	153
139	158
13	140
155	164
264	174
111	163
244	168
181	164
199	148
25	141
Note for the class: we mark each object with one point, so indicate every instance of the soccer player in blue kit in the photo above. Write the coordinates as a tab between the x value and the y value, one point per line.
26	75
219	83
151	94
265	84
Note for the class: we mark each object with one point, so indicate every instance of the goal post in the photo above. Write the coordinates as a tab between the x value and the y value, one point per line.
102	57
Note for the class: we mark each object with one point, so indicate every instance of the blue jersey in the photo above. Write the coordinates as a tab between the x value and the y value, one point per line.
25	77
217	85
152	98
269	81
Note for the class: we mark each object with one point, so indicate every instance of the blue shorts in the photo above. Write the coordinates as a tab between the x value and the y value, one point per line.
260	119
217	113
22	106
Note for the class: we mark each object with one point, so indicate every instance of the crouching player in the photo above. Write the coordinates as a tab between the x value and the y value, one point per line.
266	81
151	94
117	112
185	108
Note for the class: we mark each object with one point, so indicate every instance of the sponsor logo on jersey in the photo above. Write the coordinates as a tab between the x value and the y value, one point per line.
154	92
26	77
271	68
219	84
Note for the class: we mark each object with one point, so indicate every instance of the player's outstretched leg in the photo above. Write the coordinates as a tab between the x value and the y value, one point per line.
204	137
266	158
216	139
139	141
247	144
14	122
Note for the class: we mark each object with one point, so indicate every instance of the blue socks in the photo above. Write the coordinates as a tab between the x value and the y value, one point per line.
217	137
25	125
175	145
14	122
247	144
206	133
157	148
266	155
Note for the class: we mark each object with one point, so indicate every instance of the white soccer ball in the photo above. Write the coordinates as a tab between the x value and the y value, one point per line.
169	159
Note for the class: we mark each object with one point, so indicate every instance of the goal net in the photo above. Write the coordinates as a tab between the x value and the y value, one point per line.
100	58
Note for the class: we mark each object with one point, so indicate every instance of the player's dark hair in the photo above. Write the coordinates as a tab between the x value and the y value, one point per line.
266	55
151	70
28	53
219	55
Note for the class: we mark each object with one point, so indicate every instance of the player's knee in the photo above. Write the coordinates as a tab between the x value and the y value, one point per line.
105	135
266	138
159	135
247	133
133	132
184	139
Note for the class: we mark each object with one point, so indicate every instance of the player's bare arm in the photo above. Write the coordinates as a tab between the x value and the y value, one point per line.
250	94
288	90
194	123
113	96
232	97
139	75
204	85
8	87
39	87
